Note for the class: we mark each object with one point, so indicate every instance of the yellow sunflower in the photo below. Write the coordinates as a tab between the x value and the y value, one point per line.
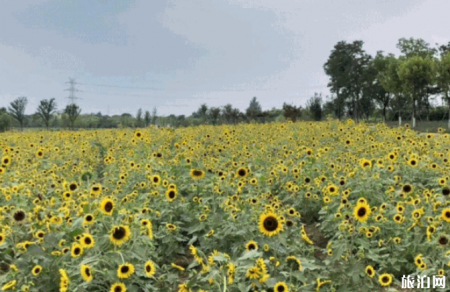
362	211
269	224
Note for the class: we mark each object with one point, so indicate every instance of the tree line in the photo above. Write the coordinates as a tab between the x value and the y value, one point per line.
405	86
381	87
47	116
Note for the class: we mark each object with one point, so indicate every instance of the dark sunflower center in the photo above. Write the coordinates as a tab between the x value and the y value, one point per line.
155	179
447	214
95	189
280	289
77	251
73	187
88	272
87	240
385	279
407	188
171	194
19	215
148	268
197	173
446	191
289	223
124	269
369	271
413	162
108	207
119	233
443	240
331	190
242	172
37	270
362	211
89	218
271	223
118	289
251	247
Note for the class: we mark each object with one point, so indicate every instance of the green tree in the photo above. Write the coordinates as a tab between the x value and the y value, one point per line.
346	66
314	106
254	109
416	74
4	120
147	118
45	110
72	111
17	109
291	112
139	118
415	48
390	81
381	96
443	78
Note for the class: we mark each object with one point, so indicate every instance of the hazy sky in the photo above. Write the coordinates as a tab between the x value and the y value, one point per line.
178	54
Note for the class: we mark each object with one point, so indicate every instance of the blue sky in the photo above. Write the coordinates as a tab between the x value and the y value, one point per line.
178	54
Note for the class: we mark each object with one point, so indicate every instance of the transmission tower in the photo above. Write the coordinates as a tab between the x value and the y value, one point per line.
72	90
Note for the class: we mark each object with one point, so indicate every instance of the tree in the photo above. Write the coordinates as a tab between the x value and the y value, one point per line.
314	106
254	109
415	48
346	66
416	74
147	118
139	118
154	116
45	110
214	115
443	79
291	112
390	81
17	109
72	111
377	67
4	120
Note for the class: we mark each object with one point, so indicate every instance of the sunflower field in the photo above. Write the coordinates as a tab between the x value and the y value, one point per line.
279	207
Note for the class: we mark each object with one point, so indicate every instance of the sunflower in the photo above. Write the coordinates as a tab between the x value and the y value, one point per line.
197	174
107	206
171	195
385	279
118	287
120	234
88	219
76	250
87	241
36	270
251	245
9	286
253	273
296	262
280	287
413	162
407	189
443	240
125	271
150	269
370	271
19	216
362	211
446	214
171	227
241	172
2	238
86	273
269	224
155	179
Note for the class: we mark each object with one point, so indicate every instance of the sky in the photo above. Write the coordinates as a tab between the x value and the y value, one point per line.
178	54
